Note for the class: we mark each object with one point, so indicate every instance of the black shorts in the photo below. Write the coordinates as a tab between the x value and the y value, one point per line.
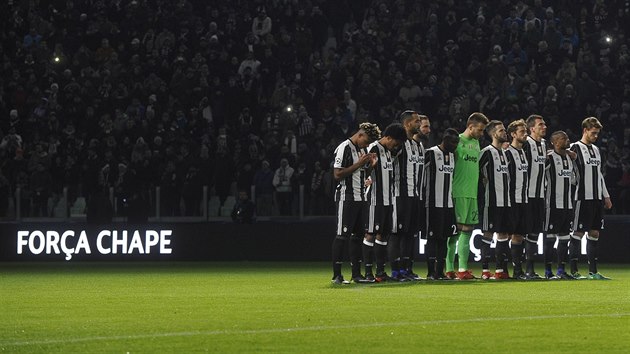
496	219
379	219
440	223
559	221
351	217
409	215
536	209
520	221
588	215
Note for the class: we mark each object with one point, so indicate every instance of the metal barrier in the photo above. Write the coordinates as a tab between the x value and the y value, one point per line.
62	207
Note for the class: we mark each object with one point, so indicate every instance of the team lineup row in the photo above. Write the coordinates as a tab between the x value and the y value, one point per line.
390	188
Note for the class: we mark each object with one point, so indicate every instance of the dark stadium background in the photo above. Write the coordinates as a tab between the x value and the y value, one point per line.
160	112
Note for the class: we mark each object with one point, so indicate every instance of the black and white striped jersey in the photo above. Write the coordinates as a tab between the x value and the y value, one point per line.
590	181
517	167
560	177
351	187
409	164
493	166
536	154
381	191
438	178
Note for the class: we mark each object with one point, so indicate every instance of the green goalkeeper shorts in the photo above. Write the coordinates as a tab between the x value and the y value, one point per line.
466	211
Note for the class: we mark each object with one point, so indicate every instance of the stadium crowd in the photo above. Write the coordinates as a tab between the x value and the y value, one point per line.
132	95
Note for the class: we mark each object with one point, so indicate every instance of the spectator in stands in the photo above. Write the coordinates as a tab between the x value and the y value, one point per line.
263	181
109	66
261	24
244	211
283	183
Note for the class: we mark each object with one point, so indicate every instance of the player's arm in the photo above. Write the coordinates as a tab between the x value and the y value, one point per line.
528	156
429	160
484	160
372	159
607	201
344	157
573	151
574	172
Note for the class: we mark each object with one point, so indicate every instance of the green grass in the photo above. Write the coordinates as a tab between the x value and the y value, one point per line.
291	307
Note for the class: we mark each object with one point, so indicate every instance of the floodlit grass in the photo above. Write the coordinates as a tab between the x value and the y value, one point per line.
292	307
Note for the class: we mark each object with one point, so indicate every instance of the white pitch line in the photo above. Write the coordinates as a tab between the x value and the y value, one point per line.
300	329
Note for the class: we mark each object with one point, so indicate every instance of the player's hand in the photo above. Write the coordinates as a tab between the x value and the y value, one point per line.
364	159
373	159
572	154
607	203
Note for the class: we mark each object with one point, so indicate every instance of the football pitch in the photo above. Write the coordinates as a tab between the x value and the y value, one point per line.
292	307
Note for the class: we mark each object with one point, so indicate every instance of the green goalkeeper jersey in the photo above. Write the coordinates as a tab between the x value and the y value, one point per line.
466	175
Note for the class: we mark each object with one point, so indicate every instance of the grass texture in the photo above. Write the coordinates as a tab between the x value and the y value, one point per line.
292	307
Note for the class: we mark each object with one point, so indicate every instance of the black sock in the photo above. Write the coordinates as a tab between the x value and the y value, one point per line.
486	253
408	242
337	255
380	253
440	259
501	254
355	255
517	258
574	253
368	256
531	251
393	249
431	254
591	254
563	254
548	252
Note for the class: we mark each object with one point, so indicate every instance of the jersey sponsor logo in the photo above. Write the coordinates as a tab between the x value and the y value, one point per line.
522	167
388	165
595	162
470	158
447	169
502	169
539	159
564	173
338	161
416	159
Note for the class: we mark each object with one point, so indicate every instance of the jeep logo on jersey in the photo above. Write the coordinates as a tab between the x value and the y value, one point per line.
416	159
470	158
595	162
539	159
522	167
388	165
502	169
447	169
564	173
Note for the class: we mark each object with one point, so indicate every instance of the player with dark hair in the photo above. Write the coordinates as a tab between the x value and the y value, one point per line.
380	195
560	177
590	191
422	136
465	187
438	182
517	167
352	165
408	210
495	214
535	148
